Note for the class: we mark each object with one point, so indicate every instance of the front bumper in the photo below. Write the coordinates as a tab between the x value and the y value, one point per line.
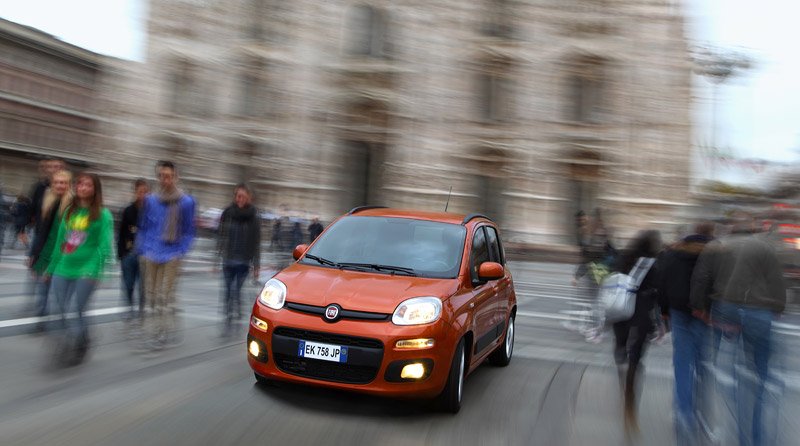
373	363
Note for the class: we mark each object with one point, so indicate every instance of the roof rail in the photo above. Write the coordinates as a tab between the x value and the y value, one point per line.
471	216
358	209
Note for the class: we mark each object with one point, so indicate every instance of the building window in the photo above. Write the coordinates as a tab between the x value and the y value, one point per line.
188	96
254	99
586	91
367	32
497	21
495	89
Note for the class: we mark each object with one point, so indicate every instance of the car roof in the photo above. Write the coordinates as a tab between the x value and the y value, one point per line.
444	217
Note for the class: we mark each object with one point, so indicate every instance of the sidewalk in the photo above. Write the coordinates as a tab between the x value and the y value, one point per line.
202	259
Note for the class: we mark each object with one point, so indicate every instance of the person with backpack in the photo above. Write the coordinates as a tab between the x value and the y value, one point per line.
631	335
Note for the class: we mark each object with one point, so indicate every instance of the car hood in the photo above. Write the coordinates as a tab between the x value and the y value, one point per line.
357	290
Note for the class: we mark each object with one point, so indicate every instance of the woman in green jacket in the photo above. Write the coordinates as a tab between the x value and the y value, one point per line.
82	249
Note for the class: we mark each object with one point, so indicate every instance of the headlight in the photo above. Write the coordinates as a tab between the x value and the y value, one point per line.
416	311
273	294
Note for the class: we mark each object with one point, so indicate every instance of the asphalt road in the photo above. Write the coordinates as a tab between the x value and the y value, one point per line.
558	390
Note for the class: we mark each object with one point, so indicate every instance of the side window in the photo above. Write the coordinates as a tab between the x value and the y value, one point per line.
495	249
480	253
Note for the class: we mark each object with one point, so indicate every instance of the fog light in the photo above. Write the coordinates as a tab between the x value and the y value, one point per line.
410	344
254	349
413	371
258	323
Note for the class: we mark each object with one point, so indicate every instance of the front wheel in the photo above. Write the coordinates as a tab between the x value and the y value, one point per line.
501	357
450	398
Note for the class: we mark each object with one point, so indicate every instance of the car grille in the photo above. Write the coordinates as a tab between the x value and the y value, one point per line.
325	370
364	357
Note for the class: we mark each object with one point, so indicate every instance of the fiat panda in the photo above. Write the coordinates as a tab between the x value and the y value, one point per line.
390	302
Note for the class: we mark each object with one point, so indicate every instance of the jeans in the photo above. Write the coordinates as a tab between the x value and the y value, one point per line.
234	275
131	275
690	340
64	290
746	333
41	289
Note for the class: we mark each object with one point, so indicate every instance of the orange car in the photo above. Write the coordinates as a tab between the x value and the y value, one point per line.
390	302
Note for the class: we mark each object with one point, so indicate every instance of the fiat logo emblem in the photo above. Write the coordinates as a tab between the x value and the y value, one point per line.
332	312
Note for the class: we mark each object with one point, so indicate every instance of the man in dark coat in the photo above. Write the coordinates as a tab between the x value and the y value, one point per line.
126	240
690	335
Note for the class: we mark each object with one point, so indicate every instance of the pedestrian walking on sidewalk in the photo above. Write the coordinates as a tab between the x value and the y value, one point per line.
55	201
598	257
239	247
83	247
691	336
631	336
739	279
166	232
128	258
314	230
21	213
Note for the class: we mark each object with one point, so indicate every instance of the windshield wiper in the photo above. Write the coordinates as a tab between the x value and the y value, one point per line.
378	267
323	261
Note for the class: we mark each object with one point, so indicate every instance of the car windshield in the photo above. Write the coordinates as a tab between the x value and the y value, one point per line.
391	246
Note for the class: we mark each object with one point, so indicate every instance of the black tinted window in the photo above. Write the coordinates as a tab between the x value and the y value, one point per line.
431	249
495	249
480	252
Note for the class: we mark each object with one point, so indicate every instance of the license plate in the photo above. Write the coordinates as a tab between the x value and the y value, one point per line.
325	352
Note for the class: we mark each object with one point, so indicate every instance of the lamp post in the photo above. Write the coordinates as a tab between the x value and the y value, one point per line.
718	66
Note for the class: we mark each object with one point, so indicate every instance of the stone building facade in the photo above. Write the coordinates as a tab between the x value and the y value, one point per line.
526	110
48	104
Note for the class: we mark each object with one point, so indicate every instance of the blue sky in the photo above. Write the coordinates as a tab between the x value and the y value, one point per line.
758	112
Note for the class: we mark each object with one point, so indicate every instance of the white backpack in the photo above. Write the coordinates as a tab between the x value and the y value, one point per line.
618	291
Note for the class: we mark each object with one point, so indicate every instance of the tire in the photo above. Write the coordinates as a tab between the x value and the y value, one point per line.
450	398
501	357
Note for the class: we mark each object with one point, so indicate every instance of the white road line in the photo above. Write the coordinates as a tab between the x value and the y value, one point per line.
559	317
91	313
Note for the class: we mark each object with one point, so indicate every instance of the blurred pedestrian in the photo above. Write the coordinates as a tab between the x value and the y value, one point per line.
4	217
631	336
83	247
239	246
21	213
739	279
277	238
128	258
690	335
166	232
314	230
297	234
598	257
47	168
55	201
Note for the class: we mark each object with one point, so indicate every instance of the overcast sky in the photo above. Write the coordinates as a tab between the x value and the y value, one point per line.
758	114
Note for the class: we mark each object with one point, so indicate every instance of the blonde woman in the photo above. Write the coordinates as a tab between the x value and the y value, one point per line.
56	199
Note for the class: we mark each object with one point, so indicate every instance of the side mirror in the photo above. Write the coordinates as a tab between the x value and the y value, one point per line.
491	271
299	250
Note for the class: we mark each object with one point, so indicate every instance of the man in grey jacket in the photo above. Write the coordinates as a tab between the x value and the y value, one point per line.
738	285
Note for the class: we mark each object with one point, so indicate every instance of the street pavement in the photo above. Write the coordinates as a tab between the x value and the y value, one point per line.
558	390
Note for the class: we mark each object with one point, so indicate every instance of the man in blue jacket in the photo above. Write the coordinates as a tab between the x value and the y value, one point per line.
166	232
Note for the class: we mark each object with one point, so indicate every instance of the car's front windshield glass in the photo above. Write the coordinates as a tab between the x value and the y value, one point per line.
391	246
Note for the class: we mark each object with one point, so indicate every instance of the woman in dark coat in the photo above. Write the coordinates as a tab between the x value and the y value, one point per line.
631	336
